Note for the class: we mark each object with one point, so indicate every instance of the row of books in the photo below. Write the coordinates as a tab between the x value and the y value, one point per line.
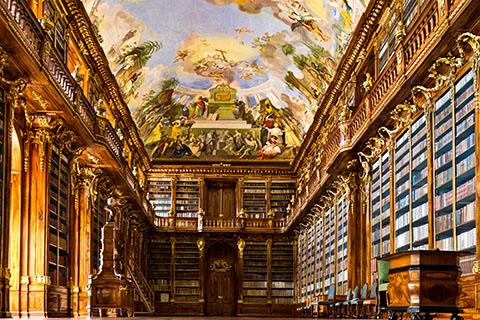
404	186
420	212
444	158
282	300
404	160
419	175
443	200
466	164
419	147
62	243
254	191
466	213
443	141
443	127
443	223
399	204
402	220
402	239
467	239
465	144
420	232
461	98
465	109
255	292
466	189
444	176
419	159
186	291
466	123
445	244
420	192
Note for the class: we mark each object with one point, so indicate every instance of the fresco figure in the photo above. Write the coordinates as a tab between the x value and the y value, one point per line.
270	149
305	19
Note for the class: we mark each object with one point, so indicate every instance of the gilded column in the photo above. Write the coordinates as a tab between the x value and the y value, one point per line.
81	238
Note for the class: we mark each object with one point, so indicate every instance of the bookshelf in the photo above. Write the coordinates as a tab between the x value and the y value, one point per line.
254	199
282	273
454	144
159	261
187	197
342	245
255	272
160	195
98	221
402	192
187	277
385	203
310	261
330	247
58	217
2	152
319	257
281	193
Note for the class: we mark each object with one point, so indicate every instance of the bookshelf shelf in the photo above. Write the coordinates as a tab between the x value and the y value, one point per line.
254	199
186	272
281	193
160	195
187	197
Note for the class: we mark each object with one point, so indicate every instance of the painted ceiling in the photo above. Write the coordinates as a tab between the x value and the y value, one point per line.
224	79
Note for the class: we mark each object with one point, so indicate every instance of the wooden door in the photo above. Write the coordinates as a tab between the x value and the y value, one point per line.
221	200
220	288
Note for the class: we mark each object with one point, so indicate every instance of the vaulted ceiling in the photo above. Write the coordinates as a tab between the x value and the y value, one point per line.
224	79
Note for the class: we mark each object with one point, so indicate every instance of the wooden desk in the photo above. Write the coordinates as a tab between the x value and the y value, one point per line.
424	281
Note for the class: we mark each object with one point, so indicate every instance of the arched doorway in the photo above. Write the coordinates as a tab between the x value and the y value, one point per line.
220	276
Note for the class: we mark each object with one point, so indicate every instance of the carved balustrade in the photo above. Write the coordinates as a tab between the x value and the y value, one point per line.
174	223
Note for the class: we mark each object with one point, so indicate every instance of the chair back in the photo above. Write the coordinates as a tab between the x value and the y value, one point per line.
355	292
331	292
383	268
349	293
373	291
364	291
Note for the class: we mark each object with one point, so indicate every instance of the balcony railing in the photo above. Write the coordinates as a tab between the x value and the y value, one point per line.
174	223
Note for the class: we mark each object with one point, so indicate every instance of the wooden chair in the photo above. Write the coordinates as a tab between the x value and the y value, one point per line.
383	268
329	303
348	305
370	303
340	304
358	303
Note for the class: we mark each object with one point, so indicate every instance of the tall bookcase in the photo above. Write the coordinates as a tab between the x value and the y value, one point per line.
310	261
380	205
160	195
330	219
411	188
319	257
255	272
281	193
2	153
342	244
186	272
98	221
159	262
187	197
454	145
254	199
58	217
282	273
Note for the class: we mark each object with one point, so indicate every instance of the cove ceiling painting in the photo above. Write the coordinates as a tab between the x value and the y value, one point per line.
224	79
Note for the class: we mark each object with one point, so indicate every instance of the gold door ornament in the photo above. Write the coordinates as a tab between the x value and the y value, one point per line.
220	265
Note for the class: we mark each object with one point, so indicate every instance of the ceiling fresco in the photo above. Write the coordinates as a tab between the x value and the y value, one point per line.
224	79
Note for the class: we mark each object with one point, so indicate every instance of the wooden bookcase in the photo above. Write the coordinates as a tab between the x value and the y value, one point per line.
282	273
159	262
310	261
281	193
342	244
187	273
330	220
255	199
319	250
160	195
98	221
58	217
255	273
187	197
2	155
